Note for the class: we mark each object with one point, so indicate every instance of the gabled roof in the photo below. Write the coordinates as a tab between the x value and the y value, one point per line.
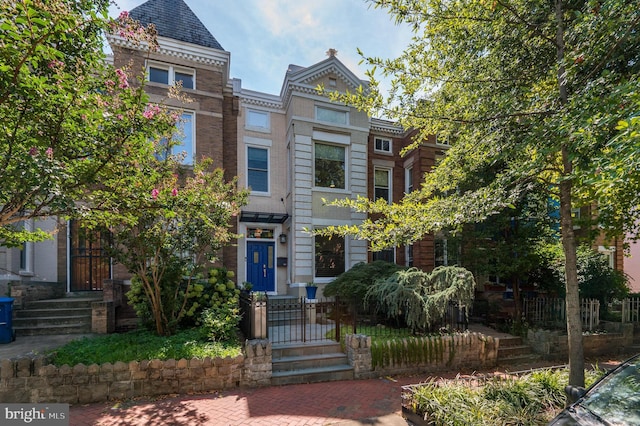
174	19
305	76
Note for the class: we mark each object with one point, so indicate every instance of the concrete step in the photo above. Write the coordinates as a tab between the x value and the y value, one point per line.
312	375
35	313
510	352
68	315
510	341
309	363
306	362
79	328
297	349
53	320
62	303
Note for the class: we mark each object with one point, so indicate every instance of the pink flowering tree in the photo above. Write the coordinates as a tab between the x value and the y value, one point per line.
181	225
71	123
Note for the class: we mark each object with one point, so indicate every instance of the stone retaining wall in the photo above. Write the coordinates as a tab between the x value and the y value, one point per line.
458	351
553	344
35	379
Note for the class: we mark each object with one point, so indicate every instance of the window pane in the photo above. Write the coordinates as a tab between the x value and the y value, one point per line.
184	138
158	75
329	166
383	145
388	255
381	184
331	115
258	119
258	173
187	79
329	256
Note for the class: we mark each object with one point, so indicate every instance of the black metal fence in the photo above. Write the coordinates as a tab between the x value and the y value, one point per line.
288	319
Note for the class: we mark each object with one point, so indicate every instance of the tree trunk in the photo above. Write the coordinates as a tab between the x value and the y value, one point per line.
574	322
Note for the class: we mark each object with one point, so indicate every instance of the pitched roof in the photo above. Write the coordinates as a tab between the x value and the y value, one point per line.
174	19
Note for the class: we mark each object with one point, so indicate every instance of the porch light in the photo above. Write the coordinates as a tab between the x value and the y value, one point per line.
283	238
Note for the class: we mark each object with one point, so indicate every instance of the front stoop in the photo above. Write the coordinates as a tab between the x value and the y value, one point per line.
67	315
309	363
512	350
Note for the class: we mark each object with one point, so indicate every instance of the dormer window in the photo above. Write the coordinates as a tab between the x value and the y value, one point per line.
168	74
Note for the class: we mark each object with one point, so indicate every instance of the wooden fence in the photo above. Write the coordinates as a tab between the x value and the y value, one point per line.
552	312
631	310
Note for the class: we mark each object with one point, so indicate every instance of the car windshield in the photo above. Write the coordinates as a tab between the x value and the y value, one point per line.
616	399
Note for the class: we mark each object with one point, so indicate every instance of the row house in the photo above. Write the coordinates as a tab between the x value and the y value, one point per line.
293	150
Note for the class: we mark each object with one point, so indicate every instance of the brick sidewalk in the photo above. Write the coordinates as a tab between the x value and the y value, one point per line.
331	403
343	403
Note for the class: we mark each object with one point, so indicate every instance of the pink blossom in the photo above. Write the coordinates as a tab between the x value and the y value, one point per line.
154	193
151	111
122	77
123	15
120	116
33	151
49	152
174	192
55	64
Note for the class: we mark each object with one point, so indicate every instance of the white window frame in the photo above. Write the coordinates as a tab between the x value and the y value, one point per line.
26	252
609	252
442	140
389	182
382	140
172	69
345	113
265	148
345	253
408	180
250	126
175	150
344	165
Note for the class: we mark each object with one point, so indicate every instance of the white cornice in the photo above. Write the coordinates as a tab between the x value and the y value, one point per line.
179	49
385	126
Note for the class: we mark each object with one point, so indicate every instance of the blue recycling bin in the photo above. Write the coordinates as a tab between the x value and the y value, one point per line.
6	320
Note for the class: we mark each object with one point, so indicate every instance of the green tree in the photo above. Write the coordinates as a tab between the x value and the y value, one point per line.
535	86
70	121
180	226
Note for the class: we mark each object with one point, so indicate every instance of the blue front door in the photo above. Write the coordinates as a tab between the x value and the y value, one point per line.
260	265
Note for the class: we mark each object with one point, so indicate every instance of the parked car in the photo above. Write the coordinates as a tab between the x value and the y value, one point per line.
612	400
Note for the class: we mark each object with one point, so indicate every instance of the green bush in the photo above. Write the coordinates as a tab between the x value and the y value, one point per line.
532	399
354	283
212	293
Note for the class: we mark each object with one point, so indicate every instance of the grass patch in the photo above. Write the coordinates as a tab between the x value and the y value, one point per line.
142	345
532	399
377	333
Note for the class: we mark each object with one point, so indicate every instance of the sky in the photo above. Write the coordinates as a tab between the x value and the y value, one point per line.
265	36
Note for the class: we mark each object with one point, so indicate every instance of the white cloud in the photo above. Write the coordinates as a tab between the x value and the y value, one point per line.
265	36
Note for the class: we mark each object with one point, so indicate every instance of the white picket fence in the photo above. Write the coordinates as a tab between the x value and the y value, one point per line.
631	310
552	311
